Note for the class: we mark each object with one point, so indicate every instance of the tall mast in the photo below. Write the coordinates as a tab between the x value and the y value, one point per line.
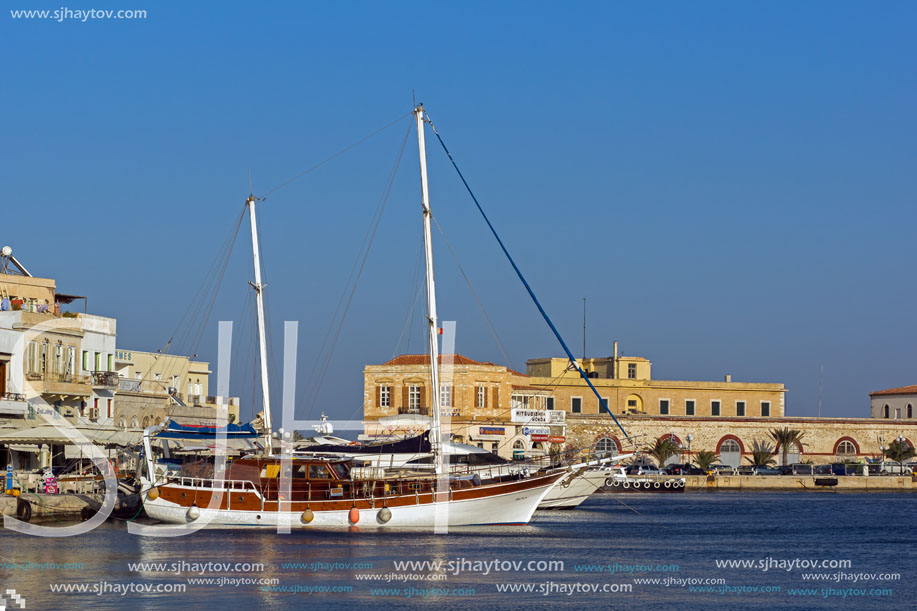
262	339
435	431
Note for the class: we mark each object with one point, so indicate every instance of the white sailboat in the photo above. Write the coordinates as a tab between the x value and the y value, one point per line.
321	491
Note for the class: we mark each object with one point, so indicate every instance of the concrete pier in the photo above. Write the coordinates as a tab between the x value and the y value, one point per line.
801	483
45	508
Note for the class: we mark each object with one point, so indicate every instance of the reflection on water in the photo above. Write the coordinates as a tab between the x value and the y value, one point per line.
680	535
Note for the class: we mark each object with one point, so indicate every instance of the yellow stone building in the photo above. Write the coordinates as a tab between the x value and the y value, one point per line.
515	414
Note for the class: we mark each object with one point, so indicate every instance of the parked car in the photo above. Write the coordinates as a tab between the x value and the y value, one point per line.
745	470
684	469
722	470
803	469
766	471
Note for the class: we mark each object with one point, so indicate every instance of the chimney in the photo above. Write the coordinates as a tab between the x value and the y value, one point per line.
616	348
728	378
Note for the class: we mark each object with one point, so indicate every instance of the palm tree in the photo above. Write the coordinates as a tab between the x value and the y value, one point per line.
663	450
784	437
762	454
704	459
899	451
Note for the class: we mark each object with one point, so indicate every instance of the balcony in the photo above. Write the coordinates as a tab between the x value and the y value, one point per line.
13	404
105	379
420	411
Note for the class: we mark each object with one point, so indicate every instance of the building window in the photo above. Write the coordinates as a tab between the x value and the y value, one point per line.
715	408
480	396
663	406
414	397
689	407
549	402
604	406
576	405
886	410
765	408
606	446
518	450
495	447
111	362
632	371
445	396
910	411
385	396
98	362
85	360
846	449
740	408
111	412
631	403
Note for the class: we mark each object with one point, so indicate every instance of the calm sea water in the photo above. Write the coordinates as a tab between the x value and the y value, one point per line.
612	542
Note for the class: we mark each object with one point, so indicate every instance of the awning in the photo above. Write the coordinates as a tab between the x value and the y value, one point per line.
109	436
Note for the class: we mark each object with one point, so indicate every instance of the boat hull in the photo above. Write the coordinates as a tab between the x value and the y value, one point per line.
571	492
503	503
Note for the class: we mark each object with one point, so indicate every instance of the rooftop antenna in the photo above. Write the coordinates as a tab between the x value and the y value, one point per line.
821	379
584	329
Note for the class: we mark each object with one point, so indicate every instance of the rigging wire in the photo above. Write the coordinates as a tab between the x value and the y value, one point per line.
474	294
338	154
356	274
416	290
521	277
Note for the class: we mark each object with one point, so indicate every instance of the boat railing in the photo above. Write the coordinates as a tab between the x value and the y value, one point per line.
218	484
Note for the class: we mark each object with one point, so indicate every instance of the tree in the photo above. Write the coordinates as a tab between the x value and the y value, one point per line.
664	450
704	459
784	438
762	454
899	451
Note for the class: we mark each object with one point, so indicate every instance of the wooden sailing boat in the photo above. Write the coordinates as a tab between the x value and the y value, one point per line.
319	491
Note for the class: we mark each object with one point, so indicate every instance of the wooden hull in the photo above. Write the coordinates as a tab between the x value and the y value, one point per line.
500	503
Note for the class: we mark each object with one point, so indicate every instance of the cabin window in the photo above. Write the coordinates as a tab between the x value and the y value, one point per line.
318	472
341	470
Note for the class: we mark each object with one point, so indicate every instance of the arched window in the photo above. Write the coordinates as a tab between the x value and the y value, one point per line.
606	446
518	450
910	411
146	421
730	453
122	424
157	422
134	423
886	410
846	449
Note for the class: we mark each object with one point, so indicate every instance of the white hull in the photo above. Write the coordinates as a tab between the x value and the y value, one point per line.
570	492
514	507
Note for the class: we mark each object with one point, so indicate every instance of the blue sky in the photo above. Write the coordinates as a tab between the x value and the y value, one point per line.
731	186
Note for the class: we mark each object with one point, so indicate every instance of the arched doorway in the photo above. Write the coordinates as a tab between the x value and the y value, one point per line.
730	452
518	450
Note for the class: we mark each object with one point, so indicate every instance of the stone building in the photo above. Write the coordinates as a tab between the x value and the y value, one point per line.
894	403
515	414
